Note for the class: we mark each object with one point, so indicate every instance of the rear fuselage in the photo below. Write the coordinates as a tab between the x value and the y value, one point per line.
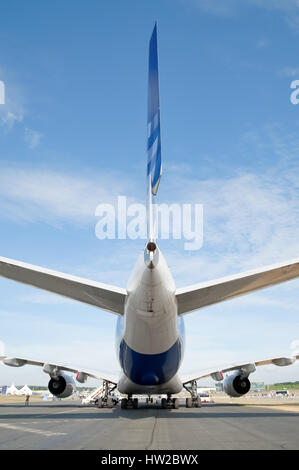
150	335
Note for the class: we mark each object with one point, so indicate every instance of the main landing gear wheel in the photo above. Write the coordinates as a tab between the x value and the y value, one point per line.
194	401
176	403
135	403
129	403
170	403
189	402
198	402
124	404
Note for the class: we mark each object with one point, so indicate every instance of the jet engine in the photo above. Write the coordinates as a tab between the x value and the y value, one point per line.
62	386
236	385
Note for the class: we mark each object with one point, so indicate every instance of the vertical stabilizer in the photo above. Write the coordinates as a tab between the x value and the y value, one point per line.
154	162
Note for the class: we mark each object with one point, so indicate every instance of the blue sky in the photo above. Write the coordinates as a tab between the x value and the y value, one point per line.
73	135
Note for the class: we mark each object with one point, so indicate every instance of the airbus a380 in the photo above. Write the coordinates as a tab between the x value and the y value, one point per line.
150	328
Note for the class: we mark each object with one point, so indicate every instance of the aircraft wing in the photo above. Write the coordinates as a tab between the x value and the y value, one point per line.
94	293
245	368
211	292
52	368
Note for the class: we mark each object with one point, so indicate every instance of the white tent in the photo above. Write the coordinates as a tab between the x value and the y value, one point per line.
12	390
25	390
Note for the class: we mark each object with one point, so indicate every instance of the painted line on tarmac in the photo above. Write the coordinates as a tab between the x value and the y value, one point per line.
35	431
67	411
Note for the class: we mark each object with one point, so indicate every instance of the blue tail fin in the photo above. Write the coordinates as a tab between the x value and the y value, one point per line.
154	163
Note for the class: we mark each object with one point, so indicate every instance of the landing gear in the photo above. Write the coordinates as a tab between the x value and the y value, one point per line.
106	401
124	403
194	401
129	403
170	402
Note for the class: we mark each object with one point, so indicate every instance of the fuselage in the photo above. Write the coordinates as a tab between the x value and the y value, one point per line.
150	335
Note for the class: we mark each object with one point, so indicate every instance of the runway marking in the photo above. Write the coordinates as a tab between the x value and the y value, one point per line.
35	431
67	411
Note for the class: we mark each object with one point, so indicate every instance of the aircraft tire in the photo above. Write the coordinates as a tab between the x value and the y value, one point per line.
198	402
188	402
176	403
135	403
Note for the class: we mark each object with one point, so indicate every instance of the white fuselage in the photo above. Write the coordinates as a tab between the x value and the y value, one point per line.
150	335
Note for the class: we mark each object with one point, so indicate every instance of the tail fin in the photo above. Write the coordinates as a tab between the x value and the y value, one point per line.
154	162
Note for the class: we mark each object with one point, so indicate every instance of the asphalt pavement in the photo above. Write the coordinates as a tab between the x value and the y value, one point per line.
69	425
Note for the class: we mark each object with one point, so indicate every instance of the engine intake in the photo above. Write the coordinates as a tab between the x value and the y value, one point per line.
236	385
62	387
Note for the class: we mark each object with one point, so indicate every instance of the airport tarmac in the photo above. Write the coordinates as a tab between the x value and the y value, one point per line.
69	425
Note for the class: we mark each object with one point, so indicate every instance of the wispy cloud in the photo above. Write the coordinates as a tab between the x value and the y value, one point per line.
263	43
81	349
233	8
32	137
288	72
45	298
12	111
39	194
251	218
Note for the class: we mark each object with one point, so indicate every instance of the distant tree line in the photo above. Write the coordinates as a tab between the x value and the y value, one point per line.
282	385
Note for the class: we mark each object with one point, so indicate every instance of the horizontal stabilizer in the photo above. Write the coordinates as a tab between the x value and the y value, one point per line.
211	292
94	293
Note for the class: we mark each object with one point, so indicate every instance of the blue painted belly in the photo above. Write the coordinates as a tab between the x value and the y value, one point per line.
150	369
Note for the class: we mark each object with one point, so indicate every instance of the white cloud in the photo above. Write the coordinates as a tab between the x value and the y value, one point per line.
295	346
2	349
233	8
289	72
67	341
32	137
249	221
12	111
8	118
38	194
263	43
45	298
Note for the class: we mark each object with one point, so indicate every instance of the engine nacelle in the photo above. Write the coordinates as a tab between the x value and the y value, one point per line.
236	385
62	387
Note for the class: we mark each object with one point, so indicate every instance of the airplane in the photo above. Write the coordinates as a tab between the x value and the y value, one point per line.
150	335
